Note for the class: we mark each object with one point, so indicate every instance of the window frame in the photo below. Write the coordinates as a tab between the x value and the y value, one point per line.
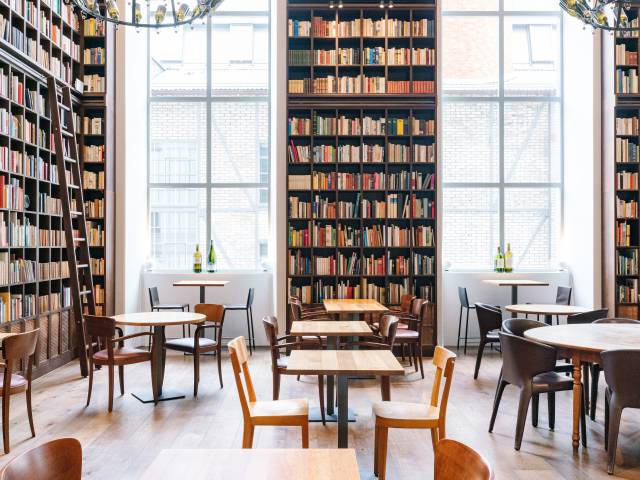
500	100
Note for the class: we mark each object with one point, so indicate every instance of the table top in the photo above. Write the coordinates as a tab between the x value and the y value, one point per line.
343	362
267	464
353	306
201	283
594	337
546	309
163	319
330	329
516	283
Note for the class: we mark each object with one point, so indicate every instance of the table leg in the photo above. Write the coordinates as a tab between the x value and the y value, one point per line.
577	387
385	386
331	345
514	299
548	319
343	411
202	294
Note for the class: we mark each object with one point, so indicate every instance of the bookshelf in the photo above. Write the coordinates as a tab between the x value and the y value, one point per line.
361	152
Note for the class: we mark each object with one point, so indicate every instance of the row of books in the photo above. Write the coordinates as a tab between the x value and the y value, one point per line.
368	27
94	83
404	180
394	206
92	126
94	56
624	56
360	84
626	81
626	208
350	126
51	238
93	180
53	270
95	234
367	153
93	27
628	126
627	262
349	290
627	180
97	266
623	234
368	56
627	291
93	153
626	151
94	208
323	235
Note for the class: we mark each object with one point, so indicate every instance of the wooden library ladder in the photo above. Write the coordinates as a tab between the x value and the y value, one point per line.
72	198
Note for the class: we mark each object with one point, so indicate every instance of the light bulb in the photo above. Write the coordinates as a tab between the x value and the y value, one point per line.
137	13
390	4
381	4
161	12
331	4
182	12
112	9
340	4
195	13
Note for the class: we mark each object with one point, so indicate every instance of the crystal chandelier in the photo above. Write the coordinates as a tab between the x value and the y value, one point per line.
148	13
611	15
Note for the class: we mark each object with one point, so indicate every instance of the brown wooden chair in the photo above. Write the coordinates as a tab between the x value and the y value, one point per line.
384	338
457	461
21	346
101	333
199	343
430	415
489	322
412	336
279	362
292	413
59	459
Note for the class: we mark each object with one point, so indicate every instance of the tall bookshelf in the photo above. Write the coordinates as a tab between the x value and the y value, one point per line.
361	153
37	38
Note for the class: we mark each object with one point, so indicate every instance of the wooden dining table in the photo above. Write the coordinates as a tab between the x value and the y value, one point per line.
344	363
547	310
353	308
254	464
159	321
202	284
585	343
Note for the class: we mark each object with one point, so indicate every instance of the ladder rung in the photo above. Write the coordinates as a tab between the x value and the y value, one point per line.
67	134
78	239
72	186
69	159
62	105
85	292
82	265
75	212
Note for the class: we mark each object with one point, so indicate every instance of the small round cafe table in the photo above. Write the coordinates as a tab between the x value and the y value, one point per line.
159	321
585	343
548	310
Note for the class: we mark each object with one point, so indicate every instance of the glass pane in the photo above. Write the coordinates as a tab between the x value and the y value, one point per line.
532	226
470	45
178	61
178	134
239	142
471	223
243	6
532	142
239	227
530	6
532	56
469	5
471	141
177	221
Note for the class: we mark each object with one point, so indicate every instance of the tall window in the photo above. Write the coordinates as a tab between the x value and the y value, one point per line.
208	138
502	131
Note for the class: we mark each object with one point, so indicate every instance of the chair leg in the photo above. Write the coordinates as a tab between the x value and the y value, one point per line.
219	355
121	378
496	403
414	350
466	332
551	407
253	332
249	340
459	328
5	421
523	406
383	436
595	377
434	439
606	419
419	357
196	372
90	383
30	411
111	375
585	383
305	434
376	448
478	359
276	385
402	351
615	412
535	402
247	436
149	342
153	381
583	418
321	396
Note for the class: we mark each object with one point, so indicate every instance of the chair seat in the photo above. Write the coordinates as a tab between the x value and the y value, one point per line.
493	336
122	356
551	382
18	383
401	326
171	306
282	362
406	414
235	307
406	334
187	344
266	410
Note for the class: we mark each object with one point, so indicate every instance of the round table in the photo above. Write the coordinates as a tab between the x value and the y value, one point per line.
548	310
158	321
584	343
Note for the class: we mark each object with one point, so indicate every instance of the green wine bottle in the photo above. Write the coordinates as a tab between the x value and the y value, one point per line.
508	259
197	260
211	259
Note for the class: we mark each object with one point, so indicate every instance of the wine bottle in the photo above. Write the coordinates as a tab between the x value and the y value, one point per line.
496	261
197	260
211	258
508	259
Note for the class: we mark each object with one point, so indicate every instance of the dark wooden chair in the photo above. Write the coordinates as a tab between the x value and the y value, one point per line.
489	323
414	312
529	366
457	461
101	335
21	346
59	459
199	344
156	306
405	304
248	309
384	338
622	372
279	362
464	305
412	336
517	326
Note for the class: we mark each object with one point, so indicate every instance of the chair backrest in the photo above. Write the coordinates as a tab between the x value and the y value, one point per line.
622	372
617	320
214	314
405	302
489	318
416	306
388	327
462	295
18	347
250	297
457	461
444	360
102	330
517	326
59	459
270	324
154	298
240	363
563	296
587	317
523	359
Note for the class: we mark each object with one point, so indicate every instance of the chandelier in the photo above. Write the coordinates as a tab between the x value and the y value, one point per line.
611	15
147	14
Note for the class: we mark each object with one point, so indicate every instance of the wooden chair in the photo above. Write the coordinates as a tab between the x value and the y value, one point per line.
292	413
101	333
17	347
456	461
279	363
199	343
412	336
59	459
384	338
430	416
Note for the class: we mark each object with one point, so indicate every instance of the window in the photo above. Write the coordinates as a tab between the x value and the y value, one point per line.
208	153
502	132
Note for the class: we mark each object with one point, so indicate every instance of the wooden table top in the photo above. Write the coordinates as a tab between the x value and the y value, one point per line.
546	309
330	329
201	283
253	464
343	362
516	283
591	337
354	306
150	319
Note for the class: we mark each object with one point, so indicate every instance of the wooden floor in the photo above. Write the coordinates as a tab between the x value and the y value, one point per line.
122	444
